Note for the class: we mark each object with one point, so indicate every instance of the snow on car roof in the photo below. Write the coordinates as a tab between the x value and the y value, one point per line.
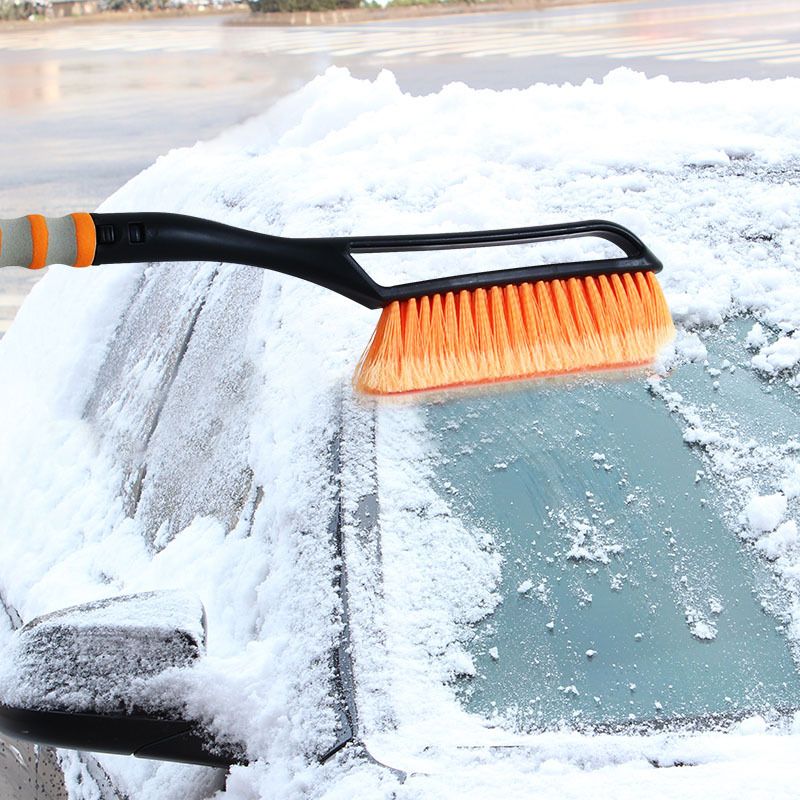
169	426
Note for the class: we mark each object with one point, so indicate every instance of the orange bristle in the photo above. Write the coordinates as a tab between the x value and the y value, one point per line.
503	333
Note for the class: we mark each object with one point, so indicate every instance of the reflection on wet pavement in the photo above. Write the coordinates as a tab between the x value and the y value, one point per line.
78	123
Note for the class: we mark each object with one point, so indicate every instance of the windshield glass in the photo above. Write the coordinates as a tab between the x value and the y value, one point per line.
625	593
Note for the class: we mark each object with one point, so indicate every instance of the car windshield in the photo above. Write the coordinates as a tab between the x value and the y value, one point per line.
625	593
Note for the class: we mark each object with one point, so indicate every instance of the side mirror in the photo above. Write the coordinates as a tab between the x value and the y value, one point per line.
82	678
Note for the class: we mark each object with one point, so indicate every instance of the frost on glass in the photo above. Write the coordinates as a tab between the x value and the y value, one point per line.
626	593
173	398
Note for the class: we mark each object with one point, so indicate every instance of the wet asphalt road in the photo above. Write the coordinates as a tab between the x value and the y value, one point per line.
85	107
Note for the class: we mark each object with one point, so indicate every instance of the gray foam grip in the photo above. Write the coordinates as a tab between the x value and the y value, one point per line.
62	246
16	242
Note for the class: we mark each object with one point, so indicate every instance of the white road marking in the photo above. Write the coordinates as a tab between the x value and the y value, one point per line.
560	46
606	46
732	55
532	44
742	49
467	45
656	49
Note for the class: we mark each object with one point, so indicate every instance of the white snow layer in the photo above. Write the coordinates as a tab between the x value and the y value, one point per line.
105	655
168	427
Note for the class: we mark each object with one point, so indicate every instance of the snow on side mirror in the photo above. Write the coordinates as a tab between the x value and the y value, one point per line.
88	678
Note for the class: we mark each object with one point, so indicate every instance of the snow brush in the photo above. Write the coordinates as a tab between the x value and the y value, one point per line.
455	331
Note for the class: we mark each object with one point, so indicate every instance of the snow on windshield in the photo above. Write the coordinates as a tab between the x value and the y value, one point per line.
168	427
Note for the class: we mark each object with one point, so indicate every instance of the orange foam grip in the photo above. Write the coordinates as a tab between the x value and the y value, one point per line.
85	239
40	239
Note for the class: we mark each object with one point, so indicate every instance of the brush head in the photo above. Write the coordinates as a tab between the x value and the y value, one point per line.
510	332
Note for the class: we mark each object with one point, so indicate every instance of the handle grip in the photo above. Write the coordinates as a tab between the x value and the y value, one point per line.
35	241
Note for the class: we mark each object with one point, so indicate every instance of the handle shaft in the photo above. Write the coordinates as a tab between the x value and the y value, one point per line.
154	236
83	239
329	262
35	241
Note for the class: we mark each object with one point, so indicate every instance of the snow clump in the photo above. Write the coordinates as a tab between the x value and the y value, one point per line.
763	513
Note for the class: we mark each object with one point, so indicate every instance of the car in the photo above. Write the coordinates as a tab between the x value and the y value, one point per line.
580	582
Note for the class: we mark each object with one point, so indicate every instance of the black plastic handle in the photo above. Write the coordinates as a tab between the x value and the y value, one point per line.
638	256
130	238
628	242
329	262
